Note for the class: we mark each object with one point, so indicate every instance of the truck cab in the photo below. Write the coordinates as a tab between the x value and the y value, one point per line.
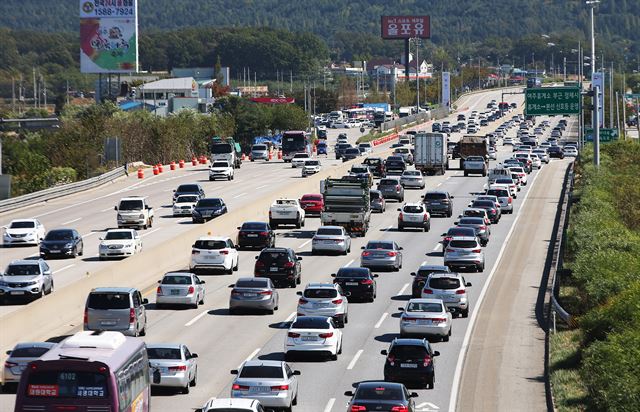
134	211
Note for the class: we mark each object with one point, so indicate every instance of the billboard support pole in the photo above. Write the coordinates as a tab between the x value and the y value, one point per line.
406	60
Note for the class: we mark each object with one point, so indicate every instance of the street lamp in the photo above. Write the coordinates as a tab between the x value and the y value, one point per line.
595	90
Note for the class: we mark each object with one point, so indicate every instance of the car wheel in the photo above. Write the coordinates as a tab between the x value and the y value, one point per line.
445	338
194	381
299	280
400	227
235	268
465	313
185	390
270	311
229	271
430	382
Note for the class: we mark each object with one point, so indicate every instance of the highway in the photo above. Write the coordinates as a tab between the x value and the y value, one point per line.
223	342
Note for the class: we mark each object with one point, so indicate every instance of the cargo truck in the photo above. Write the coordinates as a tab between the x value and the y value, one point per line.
473	146
226	148
431	153
346	204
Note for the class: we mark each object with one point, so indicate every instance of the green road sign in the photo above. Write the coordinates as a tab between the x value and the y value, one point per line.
552	101
606	135
632	95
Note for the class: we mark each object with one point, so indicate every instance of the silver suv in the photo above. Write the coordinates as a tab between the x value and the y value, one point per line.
451	288
464	252
116	309
324	299
26	279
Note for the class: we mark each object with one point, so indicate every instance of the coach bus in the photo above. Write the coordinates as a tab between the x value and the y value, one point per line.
294	141
89	371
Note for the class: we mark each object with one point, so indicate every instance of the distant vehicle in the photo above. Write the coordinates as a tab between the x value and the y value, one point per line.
24	231
371	396
180	288
451	288
426	317
381	254
253	294
61	243
299	159
259	152
346	204
226	149
207	209
423	273
134	211
464	252
230	404
286	212
214	253
188	189
112	369
281	265
412	352
255	234
221	170
534	82
331	239
324	299
431	153
414	215
358	283
294	142
119	243
312	203
438	202
321	148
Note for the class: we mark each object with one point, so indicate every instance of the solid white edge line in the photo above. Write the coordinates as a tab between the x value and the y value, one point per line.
382	318
153	231
240	195
401	291
457	375
65	268
329	405
106	210
355	359
248	358
71	221
197	318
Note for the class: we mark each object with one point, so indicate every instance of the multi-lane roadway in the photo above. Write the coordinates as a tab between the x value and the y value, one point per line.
223	341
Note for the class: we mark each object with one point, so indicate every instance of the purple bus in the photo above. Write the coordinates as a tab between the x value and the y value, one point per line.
89	371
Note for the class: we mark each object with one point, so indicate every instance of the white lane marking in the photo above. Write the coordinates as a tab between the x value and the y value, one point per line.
260	187
355	359
240	195
70	221
65	268
33	255
184	219
349	263
439	184
427	407
197	318
389	228
438	246
457	374
423	263
106	209
89	234
329	405
290	317
254	353
148	233
304	244
382	318
401	291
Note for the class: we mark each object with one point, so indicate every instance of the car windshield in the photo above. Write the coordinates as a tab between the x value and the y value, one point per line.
412	173
311	197
380	245
483	203
301	156
176	280
22	225
375	195
118	235
210	244
359	169
413	209
471	221
444	283
254	226
311	163
188	188
274	257
388	182
164	353
108	301
23	270
252	283
131	205
461	231
187	199
507	181
424	307
32	352
266	372
352	151
209	203
435	196
220	164
329	231
320	293
498	192
475	159
259	147
59	235
309	322
382	392
409	351
353	273
464	244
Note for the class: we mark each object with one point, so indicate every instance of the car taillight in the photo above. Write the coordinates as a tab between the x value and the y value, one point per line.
302	301
336	301
449	250
476	250
438	320
391	253
195	252
259	264
493	211
237	387
326	335
265	293
224	252
400	408
280	388
427	292
357	408
159	291
367	282
365	253
85	318
461	292
235	293
400	216
426	361
10	364
269	214
293	335
264	233
191	290
132	315
510	200
448	238
178	368
391	359
289	265
398	188
483	227
425	217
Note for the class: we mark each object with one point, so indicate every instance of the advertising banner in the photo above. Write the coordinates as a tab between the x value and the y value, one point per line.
446	90
405	27
598	80
108	36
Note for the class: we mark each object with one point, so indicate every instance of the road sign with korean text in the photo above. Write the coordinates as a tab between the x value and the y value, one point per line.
552	101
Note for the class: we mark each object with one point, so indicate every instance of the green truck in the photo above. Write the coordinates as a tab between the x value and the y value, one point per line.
226	148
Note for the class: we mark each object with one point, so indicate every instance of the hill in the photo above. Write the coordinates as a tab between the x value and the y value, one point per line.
461	21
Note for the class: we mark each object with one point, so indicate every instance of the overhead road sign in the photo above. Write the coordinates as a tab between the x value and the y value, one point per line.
552	101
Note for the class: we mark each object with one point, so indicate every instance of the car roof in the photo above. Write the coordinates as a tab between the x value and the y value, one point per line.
276	249
21	345
223	238
119	230
437	267
178	273
425	300
382	384
61	229
258	362
318	285
164	345
25	262
438	191
445	275
330	227
409	342
390	242
113	289
253	222
23	220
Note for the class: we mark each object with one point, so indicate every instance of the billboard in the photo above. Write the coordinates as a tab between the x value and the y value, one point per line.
405	27
108	36
446	90
598	80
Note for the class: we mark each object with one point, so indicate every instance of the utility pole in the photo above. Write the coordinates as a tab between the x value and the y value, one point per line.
479	81
13	94
417	76
596	90
35	88
611	97
617	112
290	81
624	109
564	70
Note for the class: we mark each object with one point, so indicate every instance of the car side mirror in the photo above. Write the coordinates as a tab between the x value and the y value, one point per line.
362	247
348	393
234	371
145	301
375	276
257	257
456	222
8	352
202	282
468	284
333	275
384	352
297	373
238	228
194	355
413	395
400	248
399	210
451	197
115	208
157	377
422	196
436	353
160	281
232	285
298	257
444	234
299	293
401	309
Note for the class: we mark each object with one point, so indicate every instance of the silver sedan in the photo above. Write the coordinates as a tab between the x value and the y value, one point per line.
331	239
177	365
253	294
412	179
426	317
271	382
381	254
19	358
180	288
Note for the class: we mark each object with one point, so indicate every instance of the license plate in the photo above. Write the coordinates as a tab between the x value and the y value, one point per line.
108	322
252	235
273	269
351	283
175	291
55	251
250	295
321	305
260	389
309	338
408	365
424	321
17	292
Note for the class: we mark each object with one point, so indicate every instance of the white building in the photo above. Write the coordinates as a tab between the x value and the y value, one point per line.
170	95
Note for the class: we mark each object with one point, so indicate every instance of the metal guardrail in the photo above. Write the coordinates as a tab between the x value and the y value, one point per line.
58	191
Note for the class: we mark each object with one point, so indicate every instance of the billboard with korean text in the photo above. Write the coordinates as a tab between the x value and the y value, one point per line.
405	27
108	36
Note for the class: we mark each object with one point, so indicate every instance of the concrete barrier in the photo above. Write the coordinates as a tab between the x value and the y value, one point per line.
63	310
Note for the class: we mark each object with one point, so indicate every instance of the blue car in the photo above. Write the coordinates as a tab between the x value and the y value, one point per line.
322	148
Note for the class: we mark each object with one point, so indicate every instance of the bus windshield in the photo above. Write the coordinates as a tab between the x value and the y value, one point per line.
293	142
67	384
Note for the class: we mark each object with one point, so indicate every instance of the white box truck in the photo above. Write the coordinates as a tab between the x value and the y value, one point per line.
431	153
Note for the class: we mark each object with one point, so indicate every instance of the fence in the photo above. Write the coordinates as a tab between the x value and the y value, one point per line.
58	191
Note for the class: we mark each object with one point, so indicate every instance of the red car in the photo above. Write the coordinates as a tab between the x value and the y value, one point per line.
312	203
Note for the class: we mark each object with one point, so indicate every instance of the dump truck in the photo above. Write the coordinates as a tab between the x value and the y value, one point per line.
346	204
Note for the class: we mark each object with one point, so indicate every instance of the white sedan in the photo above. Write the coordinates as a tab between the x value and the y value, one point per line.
313	334
426	317
119	243
184	204
299	159
211	253
310	167
23	232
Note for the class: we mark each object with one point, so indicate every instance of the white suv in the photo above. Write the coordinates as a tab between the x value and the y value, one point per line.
414	215
221	170
324	299
210	253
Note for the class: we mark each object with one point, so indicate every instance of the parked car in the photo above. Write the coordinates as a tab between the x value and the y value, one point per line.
271	382
180	288
214	253
438	202
119	243
381	254
451	288
23	232
331	239
464	252
177	365
316	335
61	243
281	265
255	234
410	360
357	283
19	358
207	209
119	309
253	294
380	396
426	317
324	299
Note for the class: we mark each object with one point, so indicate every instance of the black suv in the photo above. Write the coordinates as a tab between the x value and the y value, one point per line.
420	277
438	202
376	165
341	148
359	282
281	265
188	189
410	360
255	234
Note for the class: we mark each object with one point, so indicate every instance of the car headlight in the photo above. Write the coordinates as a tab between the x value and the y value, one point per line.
103	246
68	246
3	283
119	216
141	216
32	283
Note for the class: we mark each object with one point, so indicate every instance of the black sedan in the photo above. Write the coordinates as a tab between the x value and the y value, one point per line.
207	209
410	360
381	396
359	283
556	151
255	234
61	243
